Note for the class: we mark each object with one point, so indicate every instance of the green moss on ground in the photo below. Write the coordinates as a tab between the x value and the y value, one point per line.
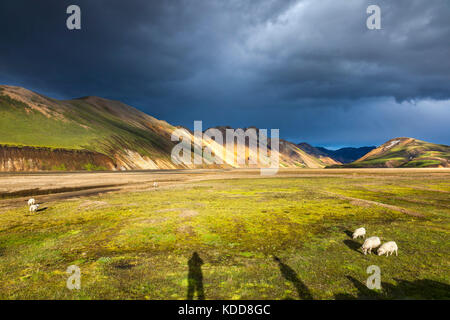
277	238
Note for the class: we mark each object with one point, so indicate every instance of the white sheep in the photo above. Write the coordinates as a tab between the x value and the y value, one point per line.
369	244
34	207
31	202
388	247
360	232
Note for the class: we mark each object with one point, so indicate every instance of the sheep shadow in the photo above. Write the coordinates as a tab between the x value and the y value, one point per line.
417	289
352	244
290	275
348	233
31	214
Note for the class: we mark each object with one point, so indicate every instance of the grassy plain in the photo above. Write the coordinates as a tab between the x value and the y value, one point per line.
283	237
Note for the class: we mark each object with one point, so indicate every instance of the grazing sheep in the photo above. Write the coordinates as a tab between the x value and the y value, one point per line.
34	207
388	247
369	244
31	202
360	232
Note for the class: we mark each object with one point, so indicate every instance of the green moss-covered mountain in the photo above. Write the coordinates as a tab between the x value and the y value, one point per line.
130	138
405	153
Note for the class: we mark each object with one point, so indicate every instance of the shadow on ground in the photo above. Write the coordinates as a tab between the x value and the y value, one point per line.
418	289
352	244
349	233
195	278
290	275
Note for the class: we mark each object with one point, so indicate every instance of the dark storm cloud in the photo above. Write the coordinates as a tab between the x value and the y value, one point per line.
310	68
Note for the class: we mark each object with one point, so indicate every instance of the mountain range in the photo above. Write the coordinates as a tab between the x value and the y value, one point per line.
92	133
343	155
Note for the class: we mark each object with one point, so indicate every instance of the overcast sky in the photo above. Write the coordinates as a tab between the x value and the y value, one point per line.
310	68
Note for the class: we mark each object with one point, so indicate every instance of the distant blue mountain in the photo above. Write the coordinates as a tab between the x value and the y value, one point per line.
343	155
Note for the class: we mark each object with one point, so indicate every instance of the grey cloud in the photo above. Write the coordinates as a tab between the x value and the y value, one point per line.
266	63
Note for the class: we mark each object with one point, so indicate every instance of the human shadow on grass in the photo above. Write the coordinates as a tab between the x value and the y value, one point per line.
290	275
417	289
195	278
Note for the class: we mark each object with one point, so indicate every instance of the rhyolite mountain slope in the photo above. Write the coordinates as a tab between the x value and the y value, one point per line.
128	137
290	154
343	155
92	133
405	153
